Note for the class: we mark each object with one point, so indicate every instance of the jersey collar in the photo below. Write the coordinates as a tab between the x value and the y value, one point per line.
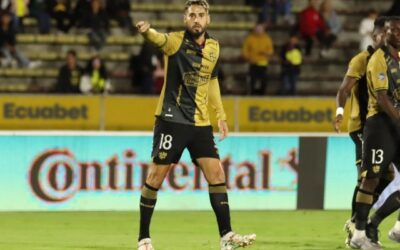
386	49
191	39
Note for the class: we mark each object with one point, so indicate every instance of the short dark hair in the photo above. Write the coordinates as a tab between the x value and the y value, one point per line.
372	11
380	22
202	3
71	52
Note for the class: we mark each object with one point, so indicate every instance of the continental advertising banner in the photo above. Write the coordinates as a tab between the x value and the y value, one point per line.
50	171
287	114
49	112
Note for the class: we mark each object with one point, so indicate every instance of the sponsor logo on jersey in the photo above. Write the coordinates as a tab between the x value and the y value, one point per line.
195	79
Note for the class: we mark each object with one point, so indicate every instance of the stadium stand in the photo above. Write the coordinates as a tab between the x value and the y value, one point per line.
231	21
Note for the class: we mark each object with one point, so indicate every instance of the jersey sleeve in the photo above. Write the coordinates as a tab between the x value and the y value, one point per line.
214	97
357	66
377	73
215	72
168	43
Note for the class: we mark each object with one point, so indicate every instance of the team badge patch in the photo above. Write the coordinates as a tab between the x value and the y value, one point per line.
381	76
162	155
376	169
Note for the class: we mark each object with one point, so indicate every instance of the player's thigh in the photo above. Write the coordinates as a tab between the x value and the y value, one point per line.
379	146
169	141
201	144
204	153
212	170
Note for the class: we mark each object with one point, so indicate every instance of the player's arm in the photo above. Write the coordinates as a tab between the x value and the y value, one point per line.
167	44
214	98
341	97
356	69
380	84
386	104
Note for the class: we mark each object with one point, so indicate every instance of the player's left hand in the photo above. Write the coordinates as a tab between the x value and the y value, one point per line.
337	122
223	129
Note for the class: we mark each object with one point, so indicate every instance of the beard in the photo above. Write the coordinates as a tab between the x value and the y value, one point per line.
196	31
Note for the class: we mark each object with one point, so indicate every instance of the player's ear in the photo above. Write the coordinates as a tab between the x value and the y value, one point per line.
208	19
184	19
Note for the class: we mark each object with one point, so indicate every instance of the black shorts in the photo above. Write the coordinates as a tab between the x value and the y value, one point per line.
381	145
170	139
356	137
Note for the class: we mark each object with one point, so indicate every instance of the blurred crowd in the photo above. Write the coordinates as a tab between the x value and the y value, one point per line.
90	17
317	25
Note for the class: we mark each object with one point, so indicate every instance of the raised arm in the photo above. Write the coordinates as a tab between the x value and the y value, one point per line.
150	34
167	43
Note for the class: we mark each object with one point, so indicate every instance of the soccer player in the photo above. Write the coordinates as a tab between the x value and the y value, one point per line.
182	118
355	85
381	134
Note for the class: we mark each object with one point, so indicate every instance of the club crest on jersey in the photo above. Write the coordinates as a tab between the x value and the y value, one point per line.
381	76
212	56
376	169
162	155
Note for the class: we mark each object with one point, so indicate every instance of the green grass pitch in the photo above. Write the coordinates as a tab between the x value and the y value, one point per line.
279	230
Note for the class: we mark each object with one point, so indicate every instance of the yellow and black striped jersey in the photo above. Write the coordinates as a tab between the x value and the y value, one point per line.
383	73
359	94
190	78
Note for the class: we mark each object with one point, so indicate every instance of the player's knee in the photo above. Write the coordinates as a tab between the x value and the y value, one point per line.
369	184
155	178
217	176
